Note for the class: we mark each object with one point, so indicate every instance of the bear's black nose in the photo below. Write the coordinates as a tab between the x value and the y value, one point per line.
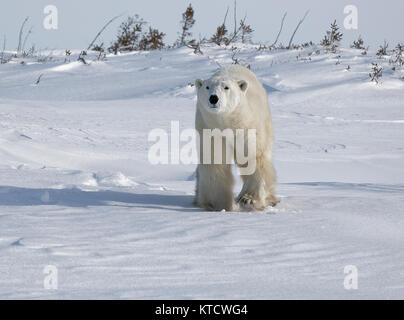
213	99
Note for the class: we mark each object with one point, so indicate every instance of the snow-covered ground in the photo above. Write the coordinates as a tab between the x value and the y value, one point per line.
77	190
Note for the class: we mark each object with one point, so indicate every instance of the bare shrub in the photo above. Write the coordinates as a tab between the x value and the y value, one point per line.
67	55
98	47
376	73
245	32
221	32
82	56
196	45
358	44
152	40
132	37
129	35
44	58
398	58
102	56
382	50
241	32
220	36
187	23
332	38
3	58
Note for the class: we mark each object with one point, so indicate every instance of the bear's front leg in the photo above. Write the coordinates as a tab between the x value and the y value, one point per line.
258	189
252	195
214	187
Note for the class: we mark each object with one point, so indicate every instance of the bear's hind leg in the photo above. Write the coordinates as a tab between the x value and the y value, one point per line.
269	175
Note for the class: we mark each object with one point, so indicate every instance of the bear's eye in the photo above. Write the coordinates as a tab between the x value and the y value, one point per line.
207	88
226	88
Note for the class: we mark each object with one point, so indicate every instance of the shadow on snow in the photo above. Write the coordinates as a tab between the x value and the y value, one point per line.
73	197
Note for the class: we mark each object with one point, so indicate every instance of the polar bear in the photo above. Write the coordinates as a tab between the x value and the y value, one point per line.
233	98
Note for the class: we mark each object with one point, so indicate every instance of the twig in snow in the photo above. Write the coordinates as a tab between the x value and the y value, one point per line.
20	34
102	30
280	30
235	16
297	27
2	60
80	58
39	79
26	38
376	74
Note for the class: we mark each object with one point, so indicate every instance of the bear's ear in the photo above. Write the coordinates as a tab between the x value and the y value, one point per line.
198	83
243	85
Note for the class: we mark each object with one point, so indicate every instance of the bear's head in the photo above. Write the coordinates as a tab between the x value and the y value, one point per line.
218	95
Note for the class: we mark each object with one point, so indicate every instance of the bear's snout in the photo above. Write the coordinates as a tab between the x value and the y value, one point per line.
213	99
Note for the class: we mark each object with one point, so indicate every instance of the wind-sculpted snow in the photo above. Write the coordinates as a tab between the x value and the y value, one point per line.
77	190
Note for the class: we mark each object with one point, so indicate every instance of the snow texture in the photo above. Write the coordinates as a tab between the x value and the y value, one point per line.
77	190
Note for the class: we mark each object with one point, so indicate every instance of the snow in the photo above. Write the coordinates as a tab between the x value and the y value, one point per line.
77	190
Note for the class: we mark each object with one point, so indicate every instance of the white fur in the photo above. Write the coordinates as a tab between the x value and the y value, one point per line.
243	104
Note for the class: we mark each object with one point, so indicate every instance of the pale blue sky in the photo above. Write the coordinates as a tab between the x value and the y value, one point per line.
79	20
